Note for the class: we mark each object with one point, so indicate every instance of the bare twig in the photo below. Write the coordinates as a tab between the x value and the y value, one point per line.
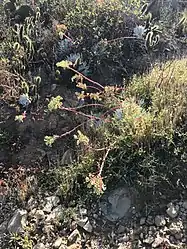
86	78
103	161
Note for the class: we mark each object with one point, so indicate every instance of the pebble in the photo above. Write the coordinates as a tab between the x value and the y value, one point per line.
82	222
172	210
149	240
185	204
74	236
157	242
83	212
88	227
51	202
178	236
160	221
63	247
17	222
57	243
142	221
39	246
125	238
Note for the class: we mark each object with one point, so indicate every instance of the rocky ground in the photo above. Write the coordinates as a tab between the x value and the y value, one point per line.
112	222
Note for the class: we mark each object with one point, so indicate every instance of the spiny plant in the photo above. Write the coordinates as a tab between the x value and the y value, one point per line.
25	50
151	33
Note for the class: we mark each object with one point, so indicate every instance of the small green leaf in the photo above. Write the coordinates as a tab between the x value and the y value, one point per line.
64	64
55	103
49	140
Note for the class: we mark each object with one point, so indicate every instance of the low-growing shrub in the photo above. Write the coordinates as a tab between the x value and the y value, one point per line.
130	129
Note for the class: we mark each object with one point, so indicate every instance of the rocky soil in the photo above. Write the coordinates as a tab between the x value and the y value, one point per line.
112	222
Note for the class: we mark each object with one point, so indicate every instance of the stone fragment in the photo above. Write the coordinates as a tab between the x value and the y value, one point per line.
63	246
51	202
185	204
160	221
88	227
55	214
142	221
125	238
149	240
83	212
82	222
117	204
58	242
179	236
74	237
176	227
172	210
39	246
157	242
17	222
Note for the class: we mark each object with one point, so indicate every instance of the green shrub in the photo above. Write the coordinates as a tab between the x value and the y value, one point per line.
142	123
164	92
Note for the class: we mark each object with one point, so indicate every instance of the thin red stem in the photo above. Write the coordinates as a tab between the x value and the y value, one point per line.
86	78
69	132
80	113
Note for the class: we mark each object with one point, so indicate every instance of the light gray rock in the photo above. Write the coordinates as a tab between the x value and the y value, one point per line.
117	204
160	221
149	240
74	237
142	221
122	246
172	210
125	238
83	212
141	235
18	221
39	246
51	202
157	242
185	204
55	214
82	222
32	212
48	228
88	227
58	242
63	246
39	214
176	227
179	236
